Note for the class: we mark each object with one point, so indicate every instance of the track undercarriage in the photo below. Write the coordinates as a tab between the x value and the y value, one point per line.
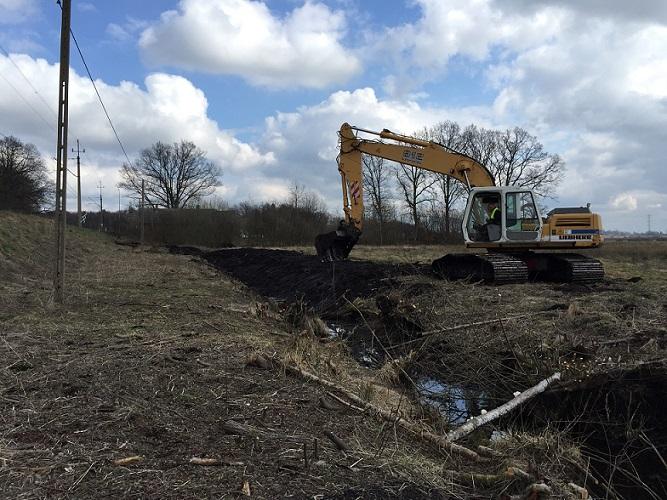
500	267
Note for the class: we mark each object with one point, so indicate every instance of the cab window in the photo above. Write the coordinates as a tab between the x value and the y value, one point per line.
521	220
480	225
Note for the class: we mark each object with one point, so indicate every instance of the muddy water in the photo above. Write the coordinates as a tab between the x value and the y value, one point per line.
456	403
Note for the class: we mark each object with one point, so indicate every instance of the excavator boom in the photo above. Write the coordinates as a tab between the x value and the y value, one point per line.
427	155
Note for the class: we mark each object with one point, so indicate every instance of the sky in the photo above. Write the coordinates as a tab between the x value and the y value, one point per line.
263	86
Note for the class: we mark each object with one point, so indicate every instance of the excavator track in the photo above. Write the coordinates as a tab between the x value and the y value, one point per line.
573	268
500	268
496	268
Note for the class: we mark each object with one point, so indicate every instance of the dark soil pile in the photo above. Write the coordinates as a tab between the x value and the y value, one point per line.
293	276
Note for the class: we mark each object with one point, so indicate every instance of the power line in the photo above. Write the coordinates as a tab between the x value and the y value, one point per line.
50	125
48	106
69	187
99	97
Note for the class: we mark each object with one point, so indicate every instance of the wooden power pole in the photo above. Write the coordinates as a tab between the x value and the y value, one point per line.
61	157
78	181
101	187
143	206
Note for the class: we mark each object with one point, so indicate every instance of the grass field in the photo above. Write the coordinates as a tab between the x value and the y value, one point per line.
148	358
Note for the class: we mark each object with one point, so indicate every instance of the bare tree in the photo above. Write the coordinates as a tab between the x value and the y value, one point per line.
522	161
415	187
515	158
24	181
449	191
301	198
481	144
175	174
377	190
296	194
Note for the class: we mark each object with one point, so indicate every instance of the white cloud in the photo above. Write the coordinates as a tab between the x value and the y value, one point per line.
169	108
243	37
126	31
420	51
117	32
16	11
86	7
631	210
601	79
305	141
592	89
625	202
644	11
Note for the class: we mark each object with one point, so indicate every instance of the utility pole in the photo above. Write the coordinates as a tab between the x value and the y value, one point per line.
78	181
101	187
143	203
649	223
118	216
61	159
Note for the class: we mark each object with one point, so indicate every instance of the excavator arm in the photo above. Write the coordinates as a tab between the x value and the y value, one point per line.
427	155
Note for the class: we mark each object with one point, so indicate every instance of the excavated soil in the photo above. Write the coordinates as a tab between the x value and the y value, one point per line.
290	276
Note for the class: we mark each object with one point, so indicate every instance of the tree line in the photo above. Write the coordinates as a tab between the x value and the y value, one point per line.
403	204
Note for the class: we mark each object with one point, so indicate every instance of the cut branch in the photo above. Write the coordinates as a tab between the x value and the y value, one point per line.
476	422
480	323
440	441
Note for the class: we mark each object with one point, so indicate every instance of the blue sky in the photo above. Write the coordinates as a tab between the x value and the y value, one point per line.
263	86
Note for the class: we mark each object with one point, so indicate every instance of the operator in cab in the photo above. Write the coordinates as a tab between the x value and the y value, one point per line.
494	212
493	223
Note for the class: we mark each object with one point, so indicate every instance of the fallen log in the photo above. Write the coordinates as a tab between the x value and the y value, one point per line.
128	460
476	422
440	441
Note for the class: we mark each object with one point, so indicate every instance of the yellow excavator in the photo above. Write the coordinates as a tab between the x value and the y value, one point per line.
504	220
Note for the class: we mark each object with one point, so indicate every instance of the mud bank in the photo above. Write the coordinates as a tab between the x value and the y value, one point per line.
293	276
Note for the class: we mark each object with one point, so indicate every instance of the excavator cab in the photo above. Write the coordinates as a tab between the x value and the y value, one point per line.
501	217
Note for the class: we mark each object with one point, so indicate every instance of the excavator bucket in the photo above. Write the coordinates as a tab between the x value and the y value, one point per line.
338	244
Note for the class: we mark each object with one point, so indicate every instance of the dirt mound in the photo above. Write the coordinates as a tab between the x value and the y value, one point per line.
293	276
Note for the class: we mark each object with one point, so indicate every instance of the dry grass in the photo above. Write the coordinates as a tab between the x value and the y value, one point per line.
147	358
633	251
152	348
